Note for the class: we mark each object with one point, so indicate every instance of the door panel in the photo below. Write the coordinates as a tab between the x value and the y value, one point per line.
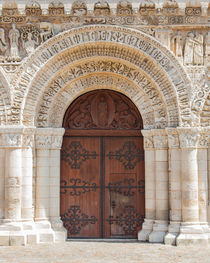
102	186
80	186
124	178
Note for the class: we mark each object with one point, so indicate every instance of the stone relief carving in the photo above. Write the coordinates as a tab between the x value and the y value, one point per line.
147	7
177	44
79	8
46	31
123	38
189	138
56	8
14	36
101	8
3	44
102	110
193	51
124	7
33	8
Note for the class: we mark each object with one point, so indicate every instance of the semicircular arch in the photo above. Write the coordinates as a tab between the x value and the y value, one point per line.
111	41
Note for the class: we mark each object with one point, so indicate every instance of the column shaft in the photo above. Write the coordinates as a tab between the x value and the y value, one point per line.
150	203
190	211
27	182
42	185
13	172
2	191
202	184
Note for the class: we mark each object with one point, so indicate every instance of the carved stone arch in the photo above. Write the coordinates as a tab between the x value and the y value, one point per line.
144	86
128	44
5	99
54	115
205	114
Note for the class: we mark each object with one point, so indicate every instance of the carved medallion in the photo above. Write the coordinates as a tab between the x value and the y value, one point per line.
102	110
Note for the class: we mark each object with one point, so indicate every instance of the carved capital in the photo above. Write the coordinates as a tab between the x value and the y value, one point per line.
173	138
16	137
160	139
148	139
49	138
189	137
204	140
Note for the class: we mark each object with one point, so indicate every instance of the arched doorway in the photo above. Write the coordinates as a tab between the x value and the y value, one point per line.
102	167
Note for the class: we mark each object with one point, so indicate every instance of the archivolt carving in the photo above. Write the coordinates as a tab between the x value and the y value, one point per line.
4	100
148	87
135	47
51	114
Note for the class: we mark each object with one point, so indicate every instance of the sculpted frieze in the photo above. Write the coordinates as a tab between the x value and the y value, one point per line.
49	138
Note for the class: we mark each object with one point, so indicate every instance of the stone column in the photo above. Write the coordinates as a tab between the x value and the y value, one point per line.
47	212
175	204
2	190
150	203
191	231
160	226
203	180
208	165
13	230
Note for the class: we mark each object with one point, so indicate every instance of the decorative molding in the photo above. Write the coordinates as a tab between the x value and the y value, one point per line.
148	139
160	139
173	138
189	137
49	138
16	137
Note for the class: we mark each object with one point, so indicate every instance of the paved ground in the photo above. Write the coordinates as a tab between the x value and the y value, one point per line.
109	252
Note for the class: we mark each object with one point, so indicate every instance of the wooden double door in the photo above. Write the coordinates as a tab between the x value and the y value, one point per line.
102	186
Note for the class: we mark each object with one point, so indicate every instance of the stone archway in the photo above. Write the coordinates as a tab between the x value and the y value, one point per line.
139	58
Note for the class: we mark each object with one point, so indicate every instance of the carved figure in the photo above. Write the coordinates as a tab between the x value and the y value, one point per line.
30	44
177	42
3	45
188	50
193	52
14	36
102	112
198	50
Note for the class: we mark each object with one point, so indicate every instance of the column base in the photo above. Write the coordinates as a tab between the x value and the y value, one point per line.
173	232
29	233
159	231
143	234
193	234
